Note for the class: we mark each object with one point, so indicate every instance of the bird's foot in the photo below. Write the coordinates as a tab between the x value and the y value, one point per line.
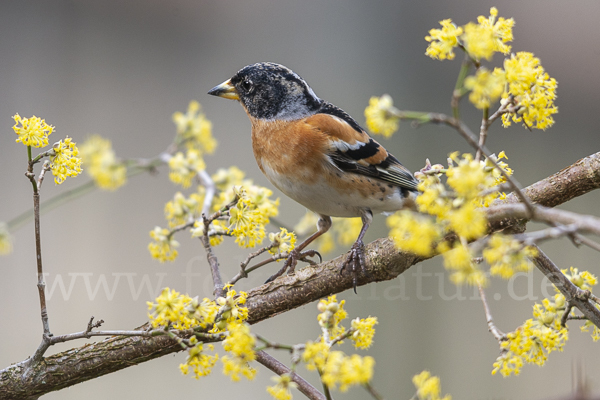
293	257
356	260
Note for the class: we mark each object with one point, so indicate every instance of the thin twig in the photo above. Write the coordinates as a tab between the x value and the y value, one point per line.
209	185
279	368
574	296
269	260
466	133
483	130
497	333
371	390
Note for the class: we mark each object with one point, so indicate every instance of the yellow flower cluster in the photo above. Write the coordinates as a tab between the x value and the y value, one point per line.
282	241
534	340
231	310
413	232
102	164
486	87
182	209
65	161
428	387
283	385
584	281
254	209
381	116
459	260
332	313
179	311
344	231
194	130
456	208
527	92
164	247
347	371
239	345
443	41
184	167
507	256
33	131
200	362
479	40
363	332
335	367
5	240
532	90
247	219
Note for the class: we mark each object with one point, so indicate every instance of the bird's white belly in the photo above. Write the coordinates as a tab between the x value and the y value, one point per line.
318	196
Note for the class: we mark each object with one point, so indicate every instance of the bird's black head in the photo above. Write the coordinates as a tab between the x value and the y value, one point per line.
270	91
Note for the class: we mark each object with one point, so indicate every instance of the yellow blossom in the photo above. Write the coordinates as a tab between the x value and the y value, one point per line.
101	163
428	387
414	233
282	241
194	130
225	179
231	310
315	355
382	116
486	87
443	41
458	260
533	92
239	345
583	280
468	178
433	199
347	370
530	343
332	313
201	363
282	388
183	209
33	131
164	247
468	221
65	161
479	41
501	28
247	223
507	256
5	240
170	309
363	332
185	167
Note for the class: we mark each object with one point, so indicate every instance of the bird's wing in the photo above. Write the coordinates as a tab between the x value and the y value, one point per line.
351	149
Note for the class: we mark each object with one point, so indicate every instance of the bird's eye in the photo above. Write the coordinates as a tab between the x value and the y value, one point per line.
247	84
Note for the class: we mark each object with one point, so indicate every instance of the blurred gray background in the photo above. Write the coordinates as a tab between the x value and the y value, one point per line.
121	68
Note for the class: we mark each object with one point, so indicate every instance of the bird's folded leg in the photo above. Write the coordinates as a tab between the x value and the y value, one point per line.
356	258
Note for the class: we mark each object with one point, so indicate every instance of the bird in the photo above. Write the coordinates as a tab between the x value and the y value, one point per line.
318	155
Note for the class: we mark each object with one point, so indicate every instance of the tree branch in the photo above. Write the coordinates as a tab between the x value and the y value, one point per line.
383	262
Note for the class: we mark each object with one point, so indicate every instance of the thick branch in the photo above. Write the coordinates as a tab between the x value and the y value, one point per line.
384	262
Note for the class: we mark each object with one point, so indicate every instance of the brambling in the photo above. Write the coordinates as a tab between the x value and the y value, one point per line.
317	154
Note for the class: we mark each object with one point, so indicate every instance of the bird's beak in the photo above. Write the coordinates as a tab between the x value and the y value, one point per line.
225	90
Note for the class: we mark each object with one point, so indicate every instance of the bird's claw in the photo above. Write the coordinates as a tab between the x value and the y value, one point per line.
355	260
290	263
